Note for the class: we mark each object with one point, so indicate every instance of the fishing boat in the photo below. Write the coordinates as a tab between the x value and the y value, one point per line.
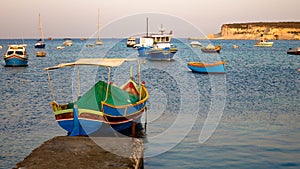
40	43
157	46
130	42
211	49
16	55
104	103
207	68
263	43
294	51
195	44
98	40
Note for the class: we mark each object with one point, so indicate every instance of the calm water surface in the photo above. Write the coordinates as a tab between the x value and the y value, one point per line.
255	105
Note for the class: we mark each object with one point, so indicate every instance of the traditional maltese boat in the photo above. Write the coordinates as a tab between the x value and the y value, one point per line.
211	49
103	104
207	68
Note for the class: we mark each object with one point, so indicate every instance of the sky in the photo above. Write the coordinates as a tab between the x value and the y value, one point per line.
124	18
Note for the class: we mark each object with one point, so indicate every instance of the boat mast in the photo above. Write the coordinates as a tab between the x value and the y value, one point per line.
147	35
98	25
41	29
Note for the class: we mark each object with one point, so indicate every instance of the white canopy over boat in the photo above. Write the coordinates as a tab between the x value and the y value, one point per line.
105	62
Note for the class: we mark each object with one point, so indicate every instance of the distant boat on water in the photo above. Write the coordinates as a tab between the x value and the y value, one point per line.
157	46
210	48
235	46
68	42
40	43
40	54
195	44
60	47
16	55
207	68
294	51
130	42
264	43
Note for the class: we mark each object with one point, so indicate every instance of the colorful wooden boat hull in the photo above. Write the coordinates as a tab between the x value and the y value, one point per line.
206	68
16	61
79	121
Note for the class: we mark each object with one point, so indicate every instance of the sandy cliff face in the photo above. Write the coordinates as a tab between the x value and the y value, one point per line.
269	30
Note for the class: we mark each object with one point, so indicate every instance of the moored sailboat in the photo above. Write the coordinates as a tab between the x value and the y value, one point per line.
40	43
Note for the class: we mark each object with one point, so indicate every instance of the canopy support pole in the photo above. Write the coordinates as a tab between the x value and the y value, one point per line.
108	81
78	72
50	85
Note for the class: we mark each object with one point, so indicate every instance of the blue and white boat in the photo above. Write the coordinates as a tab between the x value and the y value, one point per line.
16	55
207	68
157	46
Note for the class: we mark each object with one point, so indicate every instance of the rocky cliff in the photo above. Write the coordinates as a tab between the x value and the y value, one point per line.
256	30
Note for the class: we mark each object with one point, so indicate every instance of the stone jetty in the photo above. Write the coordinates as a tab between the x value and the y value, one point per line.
78	152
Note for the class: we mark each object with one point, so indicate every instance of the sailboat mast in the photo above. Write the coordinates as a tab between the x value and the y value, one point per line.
41	29
98	25
147	28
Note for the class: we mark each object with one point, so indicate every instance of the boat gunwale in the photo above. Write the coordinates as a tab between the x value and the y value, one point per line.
201	64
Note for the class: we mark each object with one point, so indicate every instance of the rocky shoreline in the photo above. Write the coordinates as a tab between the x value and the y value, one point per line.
256	30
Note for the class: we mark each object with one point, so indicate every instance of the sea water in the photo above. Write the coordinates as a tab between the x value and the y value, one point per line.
246	118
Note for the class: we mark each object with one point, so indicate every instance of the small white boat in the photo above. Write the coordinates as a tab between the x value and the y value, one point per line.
60	47
1	47
264	43
68	42
89	45
235	46
195	44
130	42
